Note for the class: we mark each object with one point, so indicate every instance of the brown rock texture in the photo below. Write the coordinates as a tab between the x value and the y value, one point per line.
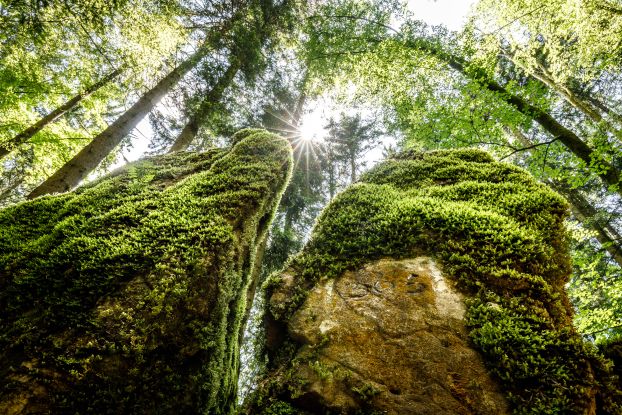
396	340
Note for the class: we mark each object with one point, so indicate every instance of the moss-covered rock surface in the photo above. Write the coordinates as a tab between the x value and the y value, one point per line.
127	295
498	235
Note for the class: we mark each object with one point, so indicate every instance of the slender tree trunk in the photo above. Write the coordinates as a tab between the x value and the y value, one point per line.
607	235
352	168
583	106
300	104
589	106
75	170
332	179
25	135
206	108
608	173
297	115
613	115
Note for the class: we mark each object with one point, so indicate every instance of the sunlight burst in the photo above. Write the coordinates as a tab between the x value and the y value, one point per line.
307	137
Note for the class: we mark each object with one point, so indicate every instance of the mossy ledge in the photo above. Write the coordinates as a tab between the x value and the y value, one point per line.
498	234
127	295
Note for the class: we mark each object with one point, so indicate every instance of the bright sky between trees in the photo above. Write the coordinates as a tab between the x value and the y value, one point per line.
450	13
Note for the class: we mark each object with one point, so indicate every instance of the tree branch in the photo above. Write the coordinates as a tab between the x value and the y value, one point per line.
547	143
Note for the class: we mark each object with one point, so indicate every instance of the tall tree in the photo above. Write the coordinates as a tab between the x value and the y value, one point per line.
351	138
75	170
209	102
7	146
246	44
42	70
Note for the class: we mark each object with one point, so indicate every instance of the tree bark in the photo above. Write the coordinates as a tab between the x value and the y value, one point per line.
25	135
583	210
300	104
75	170
589	106
352	168
608	173
206	108
571	98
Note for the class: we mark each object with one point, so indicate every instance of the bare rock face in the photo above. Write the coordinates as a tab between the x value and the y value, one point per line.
127	296
396	339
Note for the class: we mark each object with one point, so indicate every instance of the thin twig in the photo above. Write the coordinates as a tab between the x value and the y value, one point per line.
547	143
605	329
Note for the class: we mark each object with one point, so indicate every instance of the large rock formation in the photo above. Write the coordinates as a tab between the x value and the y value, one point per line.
433	286
127	295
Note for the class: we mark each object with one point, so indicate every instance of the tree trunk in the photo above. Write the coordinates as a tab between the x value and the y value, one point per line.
352	168
208	105
75	170
606	235
300	104
589	106
571	98
582	209
610	175
332	179
25	135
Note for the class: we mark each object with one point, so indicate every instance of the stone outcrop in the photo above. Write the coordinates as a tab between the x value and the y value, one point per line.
396	337
435	285
127	295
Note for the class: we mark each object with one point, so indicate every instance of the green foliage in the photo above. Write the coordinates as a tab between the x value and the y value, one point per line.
576	39
595	288
133	288
349	139
366	392
79	43
500	235
280	408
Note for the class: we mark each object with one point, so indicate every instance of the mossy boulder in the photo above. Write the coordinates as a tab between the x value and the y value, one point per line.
128	294
498	238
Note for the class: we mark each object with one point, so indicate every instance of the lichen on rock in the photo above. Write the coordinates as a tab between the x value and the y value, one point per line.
128	294
498	237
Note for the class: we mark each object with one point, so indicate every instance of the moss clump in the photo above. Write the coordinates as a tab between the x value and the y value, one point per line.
500	236
127	295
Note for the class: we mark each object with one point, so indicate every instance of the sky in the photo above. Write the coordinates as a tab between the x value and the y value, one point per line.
451	13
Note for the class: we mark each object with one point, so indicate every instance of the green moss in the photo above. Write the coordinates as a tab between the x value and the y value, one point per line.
280	408
365	392
500	235
127	295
